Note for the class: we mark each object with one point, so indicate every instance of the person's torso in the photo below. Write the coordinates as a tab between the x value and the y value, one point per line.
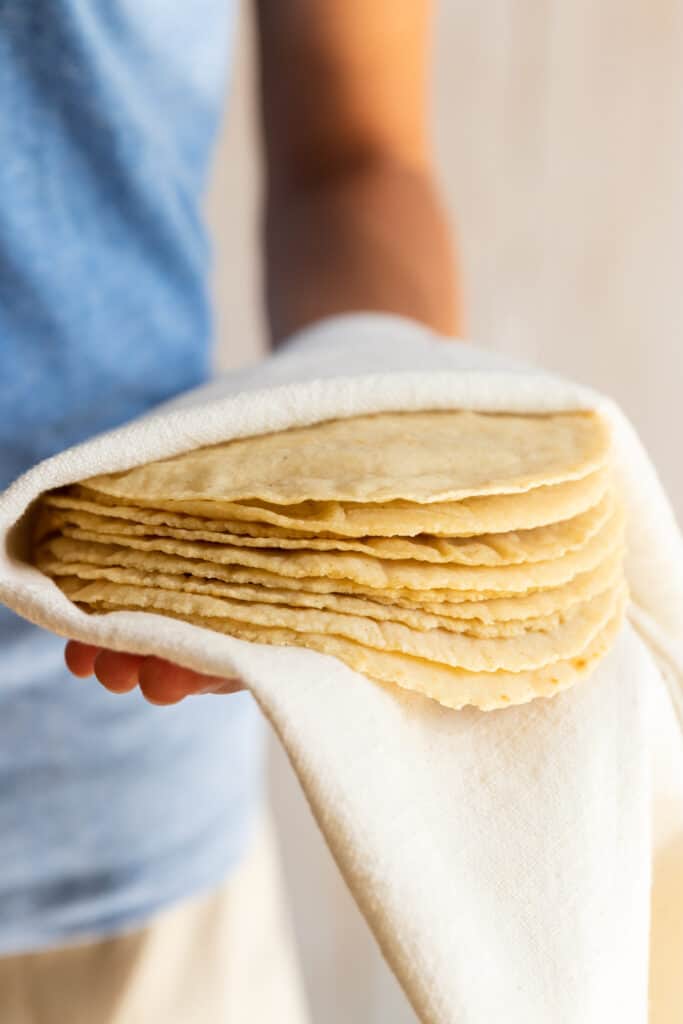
107	115
108	807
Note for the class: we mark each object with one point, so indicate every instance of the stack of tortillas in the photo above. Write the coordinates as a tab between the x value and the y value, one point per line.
473	558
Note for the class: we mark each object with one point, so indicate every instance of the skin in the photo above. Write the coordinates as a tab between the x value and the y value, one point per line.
352	216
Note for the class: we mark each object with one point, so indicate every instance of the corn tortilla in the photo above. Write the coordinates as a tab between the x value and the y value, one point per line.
379	574
65	557
513	548
532	649
417	456
414	617
539	506
452	687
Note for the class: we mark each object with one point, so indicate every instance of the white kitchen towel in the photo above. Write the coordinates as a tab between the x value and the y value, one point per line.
504	860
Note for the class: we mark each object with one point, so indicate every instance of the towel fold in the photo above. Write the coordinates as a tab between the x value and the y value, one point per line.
504	860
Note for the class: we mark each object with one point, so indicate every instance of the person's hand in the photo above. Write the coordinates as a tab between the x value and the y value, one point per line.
160	682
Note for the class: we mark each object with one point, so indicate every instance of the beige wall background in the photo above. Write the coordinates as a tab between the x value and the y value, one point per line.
559	137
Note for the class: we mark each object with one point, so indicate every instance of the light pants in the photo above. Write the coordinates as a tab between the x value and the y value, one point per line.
222	958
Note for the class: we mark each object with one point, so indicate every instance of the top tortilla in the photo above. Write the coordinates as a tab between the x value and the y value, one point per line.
420	457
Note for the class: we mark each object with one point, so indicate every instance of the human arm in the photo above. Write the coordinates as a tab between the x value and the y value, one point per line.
353	218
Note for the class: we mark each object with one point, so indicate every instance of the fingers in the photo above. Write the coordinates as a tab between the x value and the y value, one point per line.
80	658
164	683
161	682
118	672
227	686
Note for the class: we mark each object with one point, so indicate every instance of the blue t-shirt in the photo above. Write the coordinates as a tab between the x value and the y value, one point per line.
109	807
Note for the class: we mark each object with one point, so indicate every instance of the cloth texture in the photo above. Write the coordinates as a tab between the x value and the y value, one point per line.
503	860
103	314
221	957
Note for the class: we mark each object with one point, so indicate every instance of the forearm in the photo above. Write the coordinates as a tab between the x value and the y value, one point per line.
372	238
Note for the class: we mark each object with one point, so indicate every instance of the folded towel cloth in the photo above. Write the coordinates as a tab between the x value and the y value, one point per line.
503	860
